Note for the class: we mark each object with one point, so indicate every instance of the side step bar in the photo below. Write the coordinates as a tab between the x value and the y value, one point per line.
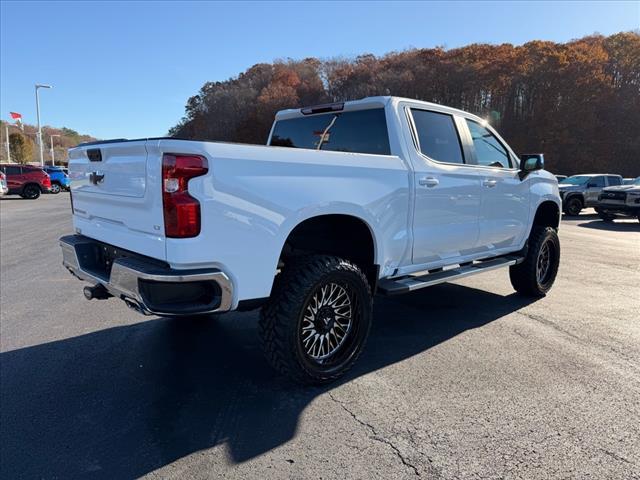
413	282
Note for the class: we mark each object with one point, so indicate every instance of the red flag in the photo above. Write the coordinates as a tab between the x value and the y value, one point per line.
18	118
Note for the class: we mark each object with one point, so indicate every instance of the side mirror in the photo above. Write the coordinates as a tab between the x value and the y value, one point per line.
530	162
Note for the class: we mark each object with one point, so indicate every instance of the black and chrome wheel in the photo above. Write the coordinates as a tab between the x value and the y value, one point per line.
536	274
327	321
573	206
317	320
30	192
55	188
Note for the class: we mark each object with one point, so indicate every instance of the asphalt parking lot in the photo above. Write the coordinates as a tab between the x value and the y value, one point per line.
463	380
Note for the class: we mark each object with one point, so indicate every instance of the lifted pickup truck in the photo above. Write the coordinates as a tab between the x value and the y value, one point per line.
382	195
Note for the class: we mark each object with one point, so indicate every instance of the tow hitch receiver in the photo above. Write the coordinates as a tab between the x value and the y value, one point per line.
97	292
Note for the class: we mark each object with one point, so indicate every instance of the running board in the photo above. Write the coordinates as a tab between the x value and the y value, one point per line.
413	282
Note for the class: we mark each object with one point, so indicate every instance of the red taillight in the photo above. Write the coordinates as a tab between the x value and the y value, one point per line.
46	181
181	210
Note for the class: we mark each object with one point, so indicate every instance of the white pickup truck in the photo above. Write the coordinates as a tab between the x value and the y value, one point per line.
381	195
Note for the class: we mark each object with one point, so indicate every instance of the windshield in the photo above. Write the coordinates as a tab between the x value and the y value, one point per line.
575	180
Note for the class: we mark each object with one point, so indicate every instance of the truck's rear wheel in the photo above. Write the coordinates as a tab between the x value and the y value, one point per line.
536	274
318	319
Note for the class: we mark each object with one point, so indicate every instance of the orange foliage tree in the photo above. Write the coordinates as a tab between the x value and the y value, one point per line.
578	102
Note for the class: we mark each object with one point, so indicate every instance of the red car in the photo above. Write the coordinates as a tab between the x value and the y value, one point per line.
25	180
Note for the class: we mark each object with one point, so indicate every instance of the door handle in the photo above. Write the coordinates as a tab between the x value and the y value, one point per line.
429	181
489	183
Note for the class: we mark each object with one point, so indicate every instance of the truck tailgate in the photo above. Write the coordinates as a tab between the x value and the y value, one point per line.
116	192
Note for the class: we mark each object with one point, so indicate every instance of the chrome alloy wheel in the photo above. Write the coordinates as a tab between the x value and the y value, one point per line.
327	321
543	264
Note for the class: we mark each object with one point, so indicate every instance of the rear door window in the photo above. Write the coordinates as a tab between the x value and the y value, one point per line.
362	131
596	182
437	136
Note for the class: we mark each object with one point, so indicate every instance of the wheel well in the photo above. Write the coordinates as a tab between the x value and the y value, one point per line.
577	195
30	184
344	236
547	215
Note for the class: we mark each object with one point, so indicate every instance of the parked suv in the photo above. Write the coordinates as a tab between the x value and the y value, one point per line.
581	191
25	180
381	195
59	178
621	200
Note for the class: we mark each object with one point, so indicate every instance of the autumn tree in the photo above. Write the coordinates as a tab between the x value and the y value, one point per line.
578	102
21	148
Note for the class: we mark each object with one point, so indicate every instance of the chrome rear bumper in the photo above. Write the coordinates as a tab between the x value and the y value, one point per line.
141	281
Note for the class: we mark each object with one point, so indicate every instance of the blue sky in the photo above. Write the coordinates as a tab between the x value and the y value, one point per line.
126	69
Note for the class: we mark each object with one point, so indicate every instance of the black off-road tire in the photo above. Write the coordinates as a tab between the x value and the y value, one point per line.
281	319
524	276
30	192
573	206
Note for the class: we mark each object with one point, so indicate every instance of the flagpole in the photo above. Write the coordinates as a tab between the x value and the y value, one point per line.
6	131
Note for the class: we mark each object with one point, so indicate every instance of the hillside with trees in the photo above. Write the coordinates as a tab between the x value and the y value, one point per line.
24	149
578	102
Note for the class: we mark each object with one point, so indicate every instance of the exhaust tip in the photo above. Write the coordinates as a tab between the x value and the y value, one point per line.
133	305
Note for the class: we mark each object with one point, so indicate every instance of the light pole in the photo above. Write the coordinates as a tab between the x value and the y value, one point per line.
53	155
38	86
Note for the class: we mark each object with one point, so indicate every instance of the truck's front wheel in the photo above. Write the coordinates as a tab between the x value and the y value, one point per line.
318	319
573	206
536	274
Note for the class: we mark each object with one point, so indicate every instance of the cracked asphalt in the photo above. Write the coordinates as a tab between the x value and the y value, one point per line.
460	381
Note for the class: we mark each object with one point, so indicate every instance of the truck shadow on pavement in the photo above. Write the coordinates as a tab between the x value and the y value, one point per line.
125	401
615	226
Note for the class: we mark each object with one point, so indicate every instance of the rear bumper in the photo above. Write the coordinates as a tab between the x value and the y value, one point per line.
146	284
